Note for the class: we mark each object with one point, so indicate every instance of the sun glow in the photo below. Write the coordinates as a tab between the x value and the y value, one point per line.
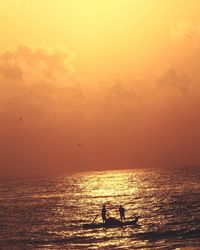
98	32
113	30
120	88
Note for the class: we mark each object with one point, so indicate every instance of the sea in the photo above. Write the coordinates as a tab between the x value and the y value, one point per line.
49	213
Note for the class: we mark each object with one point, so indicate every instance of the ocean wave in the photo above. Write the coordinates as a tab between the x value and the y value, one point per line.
184	234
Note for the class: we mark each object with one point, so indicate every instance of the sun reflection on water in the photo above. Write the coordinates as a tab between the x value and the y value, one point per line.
112	188
108	184
145	193
53	210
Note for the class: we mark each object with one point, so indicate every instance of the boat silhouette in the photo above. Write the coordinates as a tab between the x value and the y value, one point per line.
111	222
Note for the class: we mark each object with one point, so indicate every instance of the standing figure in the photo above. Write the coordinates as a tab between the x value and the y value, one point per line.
104	213
122	213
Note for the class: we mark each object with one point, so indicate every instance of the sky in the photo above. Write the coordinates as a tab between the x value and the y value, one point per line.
98	84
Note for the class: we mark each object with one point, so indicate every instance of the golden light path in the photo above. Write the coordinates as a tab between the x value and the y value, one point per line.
86	192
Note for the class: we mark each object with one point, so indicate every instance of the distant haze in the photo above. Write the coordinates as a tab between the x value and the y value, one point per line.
96	84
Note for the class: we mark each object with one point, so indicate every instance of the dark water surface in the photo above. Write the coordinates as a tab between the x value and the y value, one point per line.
48	213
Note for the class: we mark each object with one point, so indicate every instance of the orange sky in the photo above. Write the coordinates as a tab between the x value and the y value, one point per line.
98	84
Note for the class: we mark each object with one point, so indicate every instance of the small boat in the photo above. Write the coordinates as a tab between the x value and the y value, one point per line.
112	222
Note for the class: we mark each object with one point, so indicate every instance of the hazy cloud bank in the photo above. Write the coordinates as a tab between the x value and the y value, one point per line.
51	120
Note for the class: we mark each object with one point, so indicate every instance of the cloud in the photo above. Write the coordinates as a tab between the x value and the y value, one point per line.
174	79
46	111
182	29
10	70
39	96
35	64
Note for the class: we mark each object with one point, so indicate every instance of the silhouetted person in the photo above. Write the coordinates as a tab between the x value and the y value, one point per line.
122	213
104	213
